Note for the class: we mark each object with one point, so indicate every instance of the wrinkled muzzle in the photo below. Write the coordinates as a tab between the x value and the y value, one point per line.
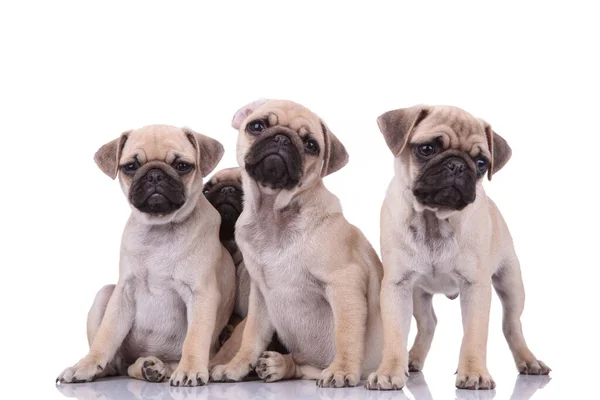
275	161
157	192
450	184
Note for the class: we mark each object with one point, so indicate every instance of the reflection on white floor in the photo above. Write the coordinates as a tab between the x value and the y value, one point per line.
417	389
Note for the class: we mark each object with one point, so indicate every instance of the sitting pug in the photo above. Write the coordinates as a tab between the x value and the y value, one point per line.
440	233
315	278
176	283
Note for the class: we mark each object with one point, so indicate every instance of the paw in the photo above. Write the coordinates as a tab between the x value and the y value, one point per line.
231	372
386	380
337	377
533	367
415	365
189	377
475	381
271	366
152	369
84	371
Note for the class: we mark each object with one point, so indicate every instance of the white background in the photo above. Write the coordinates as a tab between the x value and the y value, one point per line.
74	75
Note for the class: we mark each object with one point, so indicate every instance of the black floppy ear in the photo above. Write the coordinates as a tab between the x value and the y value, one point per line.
499	149
208	151
336	155
107	157
397	125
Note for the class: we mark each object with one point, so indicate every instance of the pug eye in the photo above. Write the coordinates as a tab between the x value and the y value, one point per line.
482	165
130	168
183	167
256	127
426	150
205	191
311	146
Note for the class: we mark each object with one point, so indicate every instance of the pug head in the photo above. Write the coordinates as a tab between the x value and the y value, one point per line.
444	153
285	146
224	191
160	169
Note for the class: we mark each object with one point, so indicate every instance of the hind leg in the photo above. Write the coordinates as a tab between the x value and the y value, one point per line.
426	323
509	285
151	369
273	366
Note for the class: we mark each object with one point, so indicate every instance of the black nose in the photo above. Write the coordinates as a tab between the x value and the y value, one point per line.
455	165
228	190
282	140
155	175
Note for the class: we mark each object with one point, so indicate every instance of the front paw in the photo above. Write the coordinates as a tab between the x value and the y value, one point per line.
475	380
234	371
385	379
189	376
84	371
337	377
415	365
533	367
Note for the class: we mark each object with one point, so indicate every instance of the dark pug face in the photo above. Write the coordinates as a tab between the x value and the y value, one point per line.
447	178
225	193
156	187
276	157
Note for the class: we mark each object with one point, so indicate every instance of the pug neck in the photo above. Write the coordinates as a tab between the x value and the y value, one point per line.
299	199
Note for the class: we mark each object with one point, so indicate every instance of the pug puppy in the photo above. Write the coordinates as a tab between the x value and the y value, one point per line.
176	283
440	233
314	278
224	191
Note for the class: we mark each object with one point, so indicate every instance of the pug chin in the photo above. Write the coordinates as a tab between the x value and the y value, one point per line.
444	201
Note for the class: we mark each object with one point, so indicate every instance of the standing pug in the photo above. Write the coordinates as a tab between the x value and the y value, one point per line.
315	279
176	282
440	233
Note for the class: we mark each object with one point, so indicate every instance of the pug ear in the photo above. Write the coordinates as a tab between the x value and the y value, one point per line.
336	155
208	151
499	149
243	112
397	126
107	157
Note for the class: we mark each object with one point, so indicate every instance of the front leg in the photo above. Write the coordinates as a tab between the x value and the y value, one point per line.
475	301
115	325
348	299
202	315
396	314
256	336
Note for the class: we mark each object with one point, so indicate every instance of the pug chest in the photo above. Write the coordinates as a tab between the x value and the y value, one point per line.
437	252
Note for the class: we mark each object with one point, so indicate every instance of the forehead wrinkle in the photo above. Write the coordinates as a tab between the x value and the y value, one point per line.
432	135
272	118
450	133
471	140
479	149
